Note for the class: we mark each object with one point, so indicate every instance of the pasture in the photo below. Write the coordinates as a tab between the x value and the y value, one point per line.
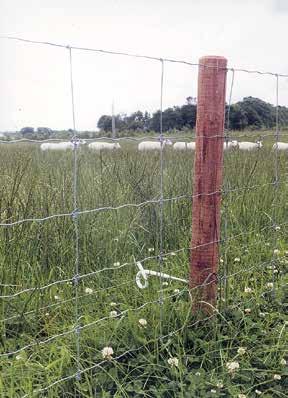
38	325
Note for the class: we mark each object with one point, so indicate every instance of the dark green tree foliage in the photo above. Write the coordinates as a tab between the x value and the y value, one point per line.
44	132
251	113
27	130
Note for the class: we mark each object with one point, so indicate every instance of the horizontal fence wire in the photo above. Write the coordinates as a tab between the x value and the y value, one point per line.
262	136
214	314
94	292
148	258
138	205
133	55
164	298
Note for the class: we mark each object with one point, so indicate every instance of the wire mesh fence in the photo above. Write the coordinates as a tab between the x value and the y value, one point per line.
73	320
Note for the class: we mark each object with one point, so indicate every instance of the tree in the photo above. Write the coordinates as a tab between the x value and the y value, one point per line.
105	123
44	132
27	130
189	115
251	112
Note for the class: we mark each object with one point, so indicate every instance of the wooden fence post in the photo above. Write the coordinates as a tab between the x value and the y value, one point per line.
208	168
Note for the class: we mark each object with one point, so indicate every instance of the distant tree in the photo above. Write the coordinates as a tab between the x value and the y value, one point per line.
44	132
250	113
27	130
238	119
188	113
105	123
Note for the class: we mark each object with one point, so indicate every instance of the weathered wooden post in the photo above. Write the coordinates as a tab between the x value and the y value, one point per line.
208	167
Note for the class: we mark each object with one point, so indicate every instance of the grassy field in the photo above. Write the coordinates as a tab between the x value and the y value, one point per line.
38	326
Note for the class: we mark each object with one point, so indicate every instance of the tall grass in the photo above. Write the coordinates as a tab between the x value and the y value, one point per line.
34	254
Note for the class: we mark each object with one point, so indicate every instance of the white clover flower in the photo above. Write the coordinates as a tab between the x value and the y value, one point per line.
213	391
237	260
88	290
107	353
56	297
151	249
241	350
262	314
270	285
232	366
117	264
219	385
221	260
113	314
277	377
113	304
173	362
283	362
248	290
176	291
241	396
165	283
276	252
258	392
247	310
142	322
275	271
197	374
277	228
47	314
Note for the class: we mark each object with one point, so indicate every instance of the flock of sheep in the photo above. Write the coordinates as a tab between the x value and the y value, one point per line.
154	145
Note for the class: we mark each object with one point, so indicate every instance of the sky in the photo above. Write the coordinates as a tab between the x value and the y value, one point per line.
35	80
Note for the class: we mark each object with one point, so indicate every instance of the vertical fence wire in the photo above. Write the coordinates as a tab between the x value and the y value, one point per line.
276	182
75	219
161	203
226	187
277	133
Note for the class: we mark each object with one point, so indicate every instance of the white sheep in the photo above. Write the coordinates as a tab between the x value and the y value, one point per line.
152	145
56	146
100	146
281	146
191	145
249	146
231	145
182	146
60	146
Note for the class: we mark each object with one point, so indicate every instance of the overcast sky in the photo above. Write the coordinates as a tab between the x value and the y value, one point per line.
34	79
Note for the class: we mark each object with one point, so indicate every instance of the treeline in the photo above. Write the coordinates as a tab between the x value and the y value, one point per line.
250	113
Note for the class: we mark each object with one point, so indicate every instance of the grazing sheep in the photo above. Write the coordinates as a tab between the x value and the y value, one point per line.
250	146
231	145
56	146
281	146
100	146
182	146
191	145
60	146
152	145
